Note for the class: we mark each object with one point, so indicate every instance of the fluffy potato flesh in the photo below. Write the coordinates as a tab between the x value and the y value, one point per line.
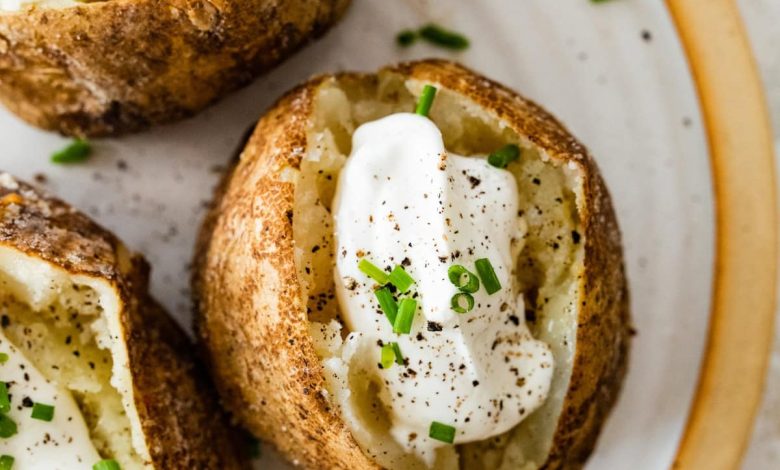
16	5
65	325
547	269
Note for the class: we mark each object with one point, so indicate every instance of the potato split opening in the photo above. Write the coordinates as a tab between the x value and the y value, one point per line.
68	327
548	270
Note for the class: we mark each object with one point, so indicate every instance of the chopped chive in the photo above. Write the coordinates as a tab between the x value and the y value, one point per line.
442	432
391	352
387	303
442	37
400	279
406	38
406	311
6	462
504	156
107	464
3	358
463	279
387	357
77	151
488	275
5	400
372	271
399	358
7	426
462	302
426	100
42	412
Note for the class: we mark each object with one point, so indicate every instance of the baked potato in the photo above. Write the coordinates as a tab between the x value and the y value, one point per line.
82	340
94	68
270	311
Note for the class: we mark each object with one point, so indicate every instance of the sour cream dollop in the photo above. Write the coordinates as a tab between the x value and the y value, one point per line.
63	442
402	199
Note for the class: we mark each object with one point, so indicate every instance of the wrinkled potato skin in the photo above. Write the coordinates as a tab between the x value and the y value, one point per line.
252	320
120	66
179	412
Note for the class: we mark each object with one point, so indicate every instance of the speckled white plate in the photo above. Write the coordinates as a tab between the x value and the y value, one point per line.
614	73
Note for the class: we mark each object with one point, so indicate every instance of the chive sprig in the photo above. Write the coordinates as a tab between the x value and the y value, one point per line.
403	321
425	101
42	412
488	275
387	303
504	156
391	353
107	464
433	34
75	152
442	432
400	313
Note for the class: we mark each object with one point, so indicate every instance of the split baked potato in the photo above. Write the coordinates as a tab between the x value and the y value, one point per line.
267	312
92	68
75	309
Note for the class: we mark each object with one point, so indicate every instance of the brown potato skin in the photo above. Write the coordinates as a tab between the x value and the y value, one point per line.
179	410
119	66
253	322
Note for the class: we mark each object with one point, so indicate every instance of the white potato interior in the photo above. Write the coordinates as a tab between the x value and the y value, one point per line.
547	269
67	326
18	5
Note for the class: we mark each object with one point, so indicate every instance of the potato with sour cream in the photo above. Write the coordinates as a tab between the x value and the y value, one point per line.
440	289
93	374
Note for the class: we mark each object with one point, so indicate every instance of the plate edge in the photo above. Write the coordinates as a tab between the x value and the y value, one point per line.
740	335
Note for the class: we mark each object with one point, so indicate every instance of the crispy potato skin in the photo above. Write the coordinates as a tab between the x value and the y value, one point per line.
252	318
119	66
253	321
179	411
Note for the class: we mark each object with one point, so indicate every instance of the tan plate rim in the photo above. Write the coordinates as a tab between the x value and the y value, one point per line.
741	328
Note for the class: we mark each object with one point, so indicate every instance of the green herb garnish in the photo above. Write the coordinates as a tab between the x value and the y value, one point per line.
400	279
442	37
462	302
107	464
6	462
406	311
442	432
77	151
387	357
387	303
399	358
406	38
391	352
426	100
42	412
504	156
3	358
372	271
488	275
7	426
463	279
5	400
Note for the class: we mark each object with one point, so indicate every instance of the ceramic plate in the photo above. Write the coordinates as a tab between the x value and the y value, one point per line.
615	73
